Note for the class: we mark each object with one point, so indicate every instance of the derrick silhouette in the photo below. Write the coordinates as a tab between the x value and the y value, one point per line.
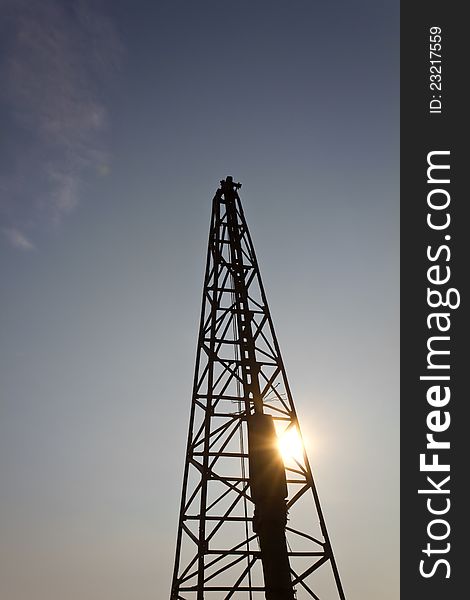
250	522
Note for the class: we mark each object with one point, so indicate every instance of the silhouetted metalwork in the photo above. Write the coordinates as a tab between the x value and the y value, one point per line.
250	523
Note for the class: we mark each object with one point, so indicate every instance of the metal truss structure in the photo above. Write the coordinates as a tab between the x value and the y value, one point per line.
236	537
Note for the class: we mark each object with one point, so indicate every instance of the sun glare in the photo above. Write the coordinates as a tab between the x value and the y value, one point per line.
291	446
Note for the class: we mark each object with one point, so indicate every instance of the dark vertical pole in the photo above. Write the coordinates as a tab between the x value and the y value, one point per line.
267	474
249	365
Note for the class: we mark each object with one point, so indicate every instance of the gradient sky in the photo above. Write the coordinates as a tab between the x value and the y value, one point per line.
118	119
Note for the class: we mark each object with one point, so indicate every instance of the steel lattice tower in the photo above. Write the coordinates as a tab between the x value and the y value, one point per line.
250	522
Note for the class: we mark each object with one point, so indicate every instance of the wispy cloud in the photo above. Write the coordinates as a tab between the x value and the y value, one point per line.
57	56
18	239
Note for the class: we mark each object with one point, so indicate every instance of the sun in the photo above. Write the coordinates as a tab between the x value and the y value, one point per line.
290	445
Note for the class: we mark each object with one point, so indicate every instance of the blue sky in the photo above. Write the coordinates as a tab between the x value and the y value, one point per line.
118	120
